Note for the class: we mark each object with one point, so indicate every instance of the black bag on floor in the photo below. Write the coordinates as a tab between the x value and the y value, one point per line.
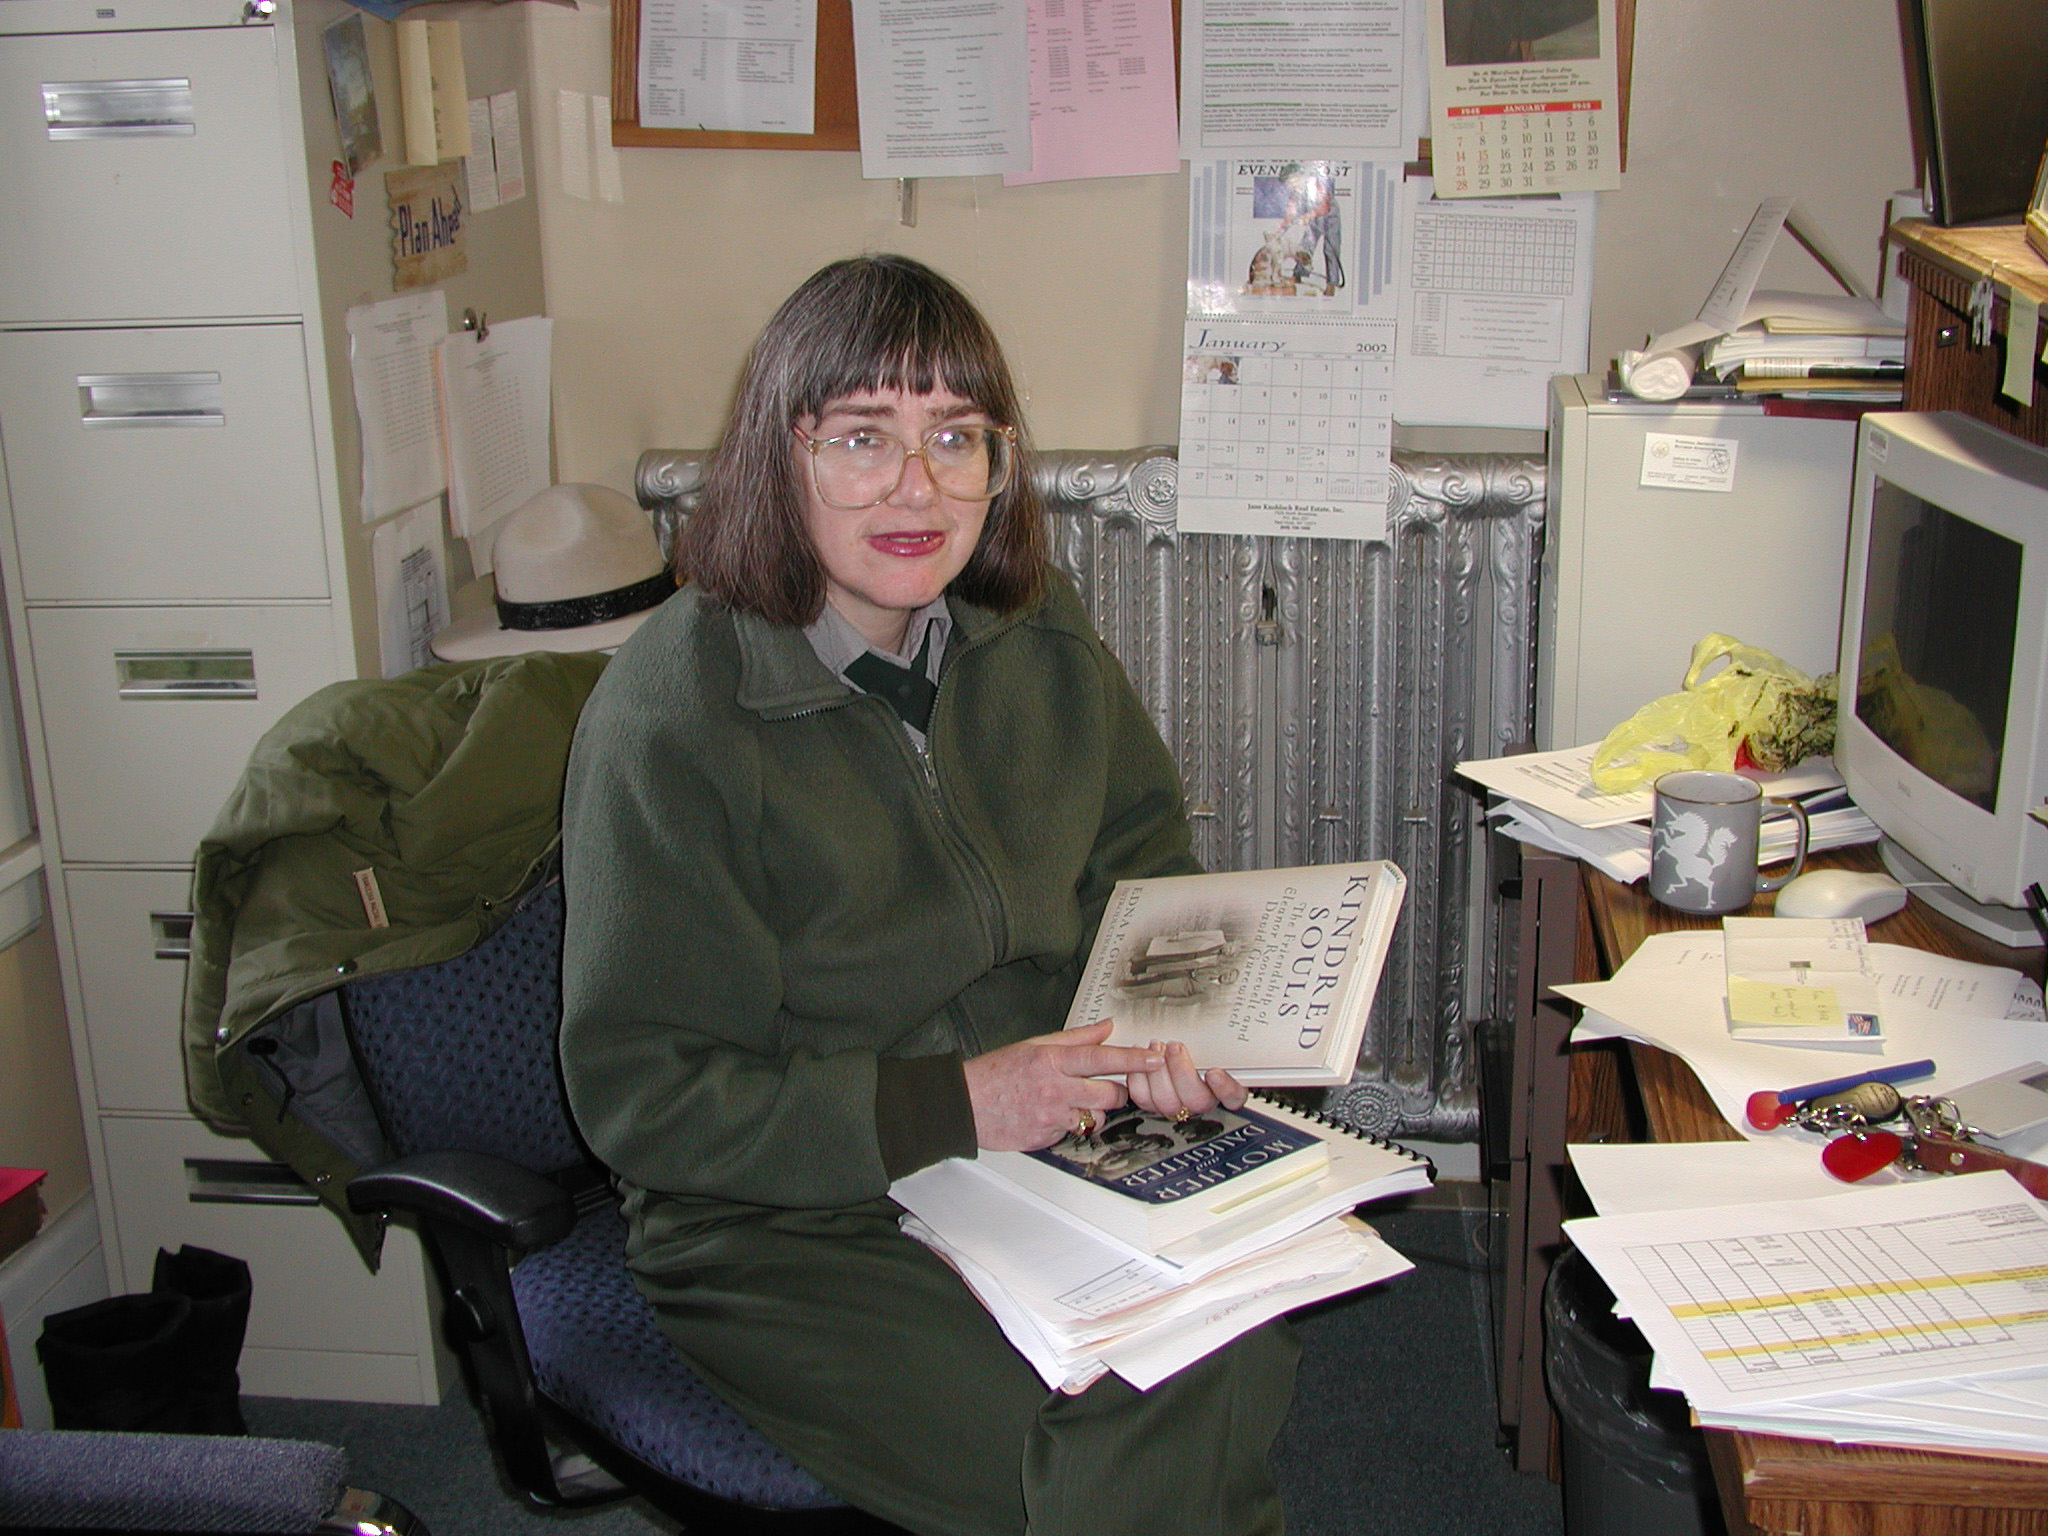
218	1288
166	1361
119	1364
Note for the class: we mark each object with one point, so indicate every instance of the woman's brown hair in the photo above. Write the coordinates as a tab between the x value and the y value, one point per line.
867	323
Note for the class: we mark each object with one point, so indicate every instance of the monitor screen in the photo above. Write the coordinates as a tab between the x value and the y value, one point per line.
1940	608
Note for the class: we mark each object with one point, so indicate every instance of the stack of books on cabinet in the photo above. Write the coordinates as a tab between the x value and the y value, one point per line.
1814	347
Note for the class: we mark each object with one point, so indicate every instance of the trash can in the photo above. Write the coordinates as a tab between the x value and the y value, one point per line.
1633	1462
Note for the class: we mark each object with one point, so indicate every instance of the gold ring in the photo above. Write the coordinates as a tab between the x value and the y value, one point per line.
1183	1115
1086	1127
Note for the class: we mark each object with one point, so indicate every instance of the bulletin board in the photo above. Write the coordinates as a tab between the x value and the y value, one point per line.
837	107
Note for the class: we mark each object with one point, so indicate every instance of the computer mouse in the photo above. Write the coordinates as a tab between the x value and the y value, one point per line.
1841	893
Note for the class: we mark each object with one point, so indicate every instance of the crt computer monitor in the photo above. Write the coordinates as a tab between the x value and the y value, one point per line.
1942	735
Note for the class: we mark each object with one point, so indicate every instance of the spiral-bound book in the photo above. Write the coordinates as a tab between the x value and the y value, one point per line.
1227	1181
1268	973
1076	1302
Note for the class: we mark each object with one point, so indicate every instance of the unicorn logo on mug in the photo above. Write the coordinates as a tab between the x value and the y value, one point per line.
1693	851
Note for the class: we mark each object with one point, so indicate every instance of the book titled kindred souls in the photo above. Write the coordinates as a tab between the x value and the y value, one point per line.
1267	973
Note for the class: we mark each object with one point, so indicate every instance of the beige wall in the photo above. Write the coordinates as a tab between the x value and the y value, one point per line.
656	298
1736	101
39	1120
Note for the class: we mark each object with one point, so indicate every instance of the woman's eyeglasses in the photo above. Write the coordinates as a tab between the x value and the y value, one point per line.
856	470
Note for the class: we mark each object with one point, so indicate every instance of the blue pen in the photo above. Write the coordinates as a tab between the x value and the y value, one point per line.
1897	1072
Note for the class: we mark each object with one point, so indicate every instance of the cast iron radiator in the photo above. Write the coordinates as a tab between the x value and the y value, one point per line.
1317	694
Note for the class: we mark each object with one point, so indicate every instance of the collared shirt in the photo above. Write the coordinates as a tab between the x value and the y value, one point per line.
837	644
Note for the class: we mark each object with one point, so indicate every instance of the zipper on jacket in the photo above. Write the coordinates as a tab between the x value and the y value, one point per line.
976	868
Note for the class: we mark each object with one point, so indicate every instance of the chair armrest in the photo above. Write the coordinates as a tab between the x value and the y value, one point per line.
486	1195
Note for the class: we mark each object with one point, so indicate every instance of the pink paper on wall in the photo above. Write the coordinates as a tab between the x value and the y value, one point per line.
1103	99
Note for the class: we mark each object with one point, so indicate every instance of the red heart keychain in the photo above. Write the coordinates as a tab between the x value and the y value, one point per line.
1767	1111
1860	1154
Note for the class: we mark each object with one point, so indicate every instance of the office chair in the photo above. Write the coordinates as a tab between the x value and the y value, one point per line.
459	1060
102	1480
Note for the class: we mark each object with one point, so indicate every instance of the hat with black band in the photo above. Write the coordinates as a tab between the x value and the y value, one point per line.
577	569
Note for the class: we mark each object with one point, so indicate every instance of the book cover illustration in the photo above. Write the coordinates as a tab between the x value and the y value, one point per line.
1157	1161
1268	973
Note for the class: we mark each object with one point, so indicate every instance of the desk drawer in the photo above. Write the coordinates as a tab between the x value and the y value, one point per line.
144	176
126	933
162	464
149	715
311	1292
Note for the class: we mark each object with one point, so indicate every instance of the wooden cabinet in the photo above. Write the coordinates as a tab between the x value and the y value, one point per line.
1947	369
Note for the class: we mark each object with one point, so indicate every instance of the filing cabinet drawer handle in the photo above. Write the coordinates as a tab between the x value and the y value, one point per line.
229	1181
119	109
172	932
150	400
186	674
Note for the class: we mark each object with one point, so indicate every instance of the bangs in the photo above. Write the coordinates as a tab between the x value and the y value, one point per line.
882	332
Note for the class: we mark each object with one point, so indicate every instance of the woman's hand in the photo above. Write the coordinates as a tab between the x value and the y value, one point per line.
1030	1094
1178	1088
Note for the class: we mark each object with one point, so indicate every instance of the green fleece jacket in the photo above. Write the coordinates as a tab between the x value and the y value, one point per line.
445	785
787	927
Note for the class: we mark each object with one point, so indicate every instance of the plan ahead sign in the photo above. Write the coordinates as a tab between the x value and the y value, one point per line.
428	216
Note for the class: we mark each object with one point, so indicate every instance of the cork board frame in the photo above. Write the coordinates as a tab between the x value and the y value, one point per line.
836	111
836	108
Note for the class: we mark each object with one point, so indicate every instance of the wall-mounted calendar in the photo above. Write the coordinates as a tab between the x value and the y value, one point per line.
1524	97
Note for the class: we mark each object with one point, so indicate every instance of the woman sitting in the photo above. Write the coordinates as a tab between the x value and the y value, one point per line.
841	820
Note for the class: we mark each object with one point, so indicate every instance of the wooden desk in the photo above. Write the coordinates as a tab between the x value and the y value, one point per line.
1769	1484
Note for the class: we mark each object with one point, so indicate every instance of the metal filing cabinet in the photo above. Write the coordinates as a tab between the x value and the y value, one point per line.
183	561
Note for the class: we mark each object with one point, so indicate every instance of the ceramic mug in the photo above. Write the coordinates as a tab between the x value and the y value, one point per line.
1703	841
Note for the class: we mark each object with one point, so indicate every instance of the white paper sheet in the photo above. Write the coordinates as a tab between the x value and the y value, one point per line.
1901	1284
1671	995
1300	77
945	87
1559	782
496	163
1621	1178
741	66
494	393
606	167
391	356
409	565
508	146
572	137
480	165
1496	296
1073	1302
1622	851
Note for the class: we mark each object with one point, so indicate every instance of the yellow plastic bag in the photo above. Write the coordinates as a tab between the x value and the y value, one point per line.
1706	724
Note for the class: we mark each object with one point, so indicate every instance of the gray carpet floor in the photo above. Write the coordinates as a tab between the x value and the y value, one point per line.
1392	1432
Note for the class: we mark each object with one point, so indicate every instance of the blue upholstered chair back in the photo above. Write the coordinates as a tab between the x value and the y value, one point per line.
460	1055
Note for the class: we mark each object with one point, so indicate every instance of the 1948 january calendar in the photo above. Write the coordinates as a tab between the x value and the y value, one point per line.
1524	97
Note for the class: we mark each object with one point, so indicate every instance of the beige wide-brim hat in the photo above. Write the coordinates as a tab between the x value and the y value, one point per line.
577	569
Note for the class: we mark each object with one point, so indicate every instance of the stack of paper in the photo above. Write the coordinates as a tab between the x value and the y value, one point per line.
1973	1021
1901	1314
1077	1302
1548	801
1817	346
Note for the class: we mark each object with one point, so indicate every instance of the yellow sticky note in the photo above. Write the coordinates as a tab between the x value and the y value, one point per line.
2023	320
1766	1002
